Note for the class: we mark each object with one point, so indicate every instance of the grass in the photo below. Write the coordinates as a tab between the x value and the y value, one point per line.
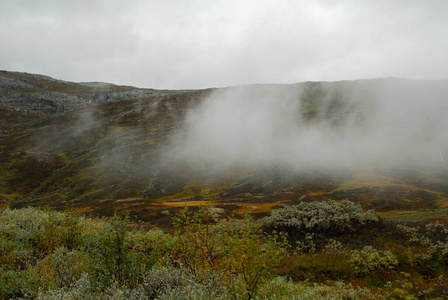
257	208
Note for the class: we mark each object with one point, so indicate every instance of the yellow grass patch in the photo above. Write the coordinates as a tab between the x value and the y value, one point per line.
257	208
145	142
443	202
187	203
10	196
396	213
316	193
66	158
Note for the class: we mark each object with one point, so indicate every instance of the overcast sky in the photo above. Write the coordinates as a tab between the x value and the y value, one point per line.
197	44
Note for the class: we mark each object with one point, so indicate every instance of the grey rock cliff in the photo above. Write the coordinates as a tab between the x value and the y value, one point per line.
42	94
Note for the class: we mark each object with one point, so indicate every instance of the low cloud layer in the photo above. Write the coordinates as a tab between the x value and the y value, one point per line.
200	44
392	123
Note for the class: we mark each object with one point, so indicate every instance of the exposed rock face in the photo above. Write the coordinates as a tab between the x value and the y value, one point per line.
43	94
12	84
47	102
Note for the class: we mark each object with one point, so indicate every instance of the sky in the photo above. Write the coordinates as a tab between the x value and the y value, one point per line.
174	44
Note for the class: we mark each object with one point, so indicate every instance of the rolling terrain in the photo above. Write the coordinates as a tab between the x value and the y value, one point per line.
101	148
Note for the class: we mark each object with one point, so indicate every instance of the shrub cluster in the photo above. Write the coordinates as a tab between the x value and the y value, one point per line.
369	259
233	251
53	255
432	238
46	250
327	217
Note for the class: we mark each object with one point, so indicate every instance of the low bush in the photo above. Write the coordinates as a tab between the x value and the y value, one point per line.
22	225
155	243
53	255
231	250
339	290
328	217
117	260
369	259
432	240
61	269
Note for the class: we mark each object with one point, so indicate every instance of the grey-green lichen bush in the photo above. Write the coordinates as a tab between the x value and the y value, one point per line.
281	288
433	237
164	283
369	259
23	223
155	243
329	217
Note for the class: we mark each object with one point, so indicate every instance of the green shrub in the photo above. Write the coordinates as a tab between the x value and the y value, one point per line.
159	283
235	251
91	232
433	239
116	261
49	238
80	290
40	230
155	243
280	288
12	283
22	224
164	281
369	259
328	217
112	255
277	287
61	269
8	253
307	243
52	255
339	290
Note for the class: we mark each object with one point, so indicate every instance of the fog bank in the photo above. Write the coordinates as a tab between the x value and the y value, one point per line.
301	127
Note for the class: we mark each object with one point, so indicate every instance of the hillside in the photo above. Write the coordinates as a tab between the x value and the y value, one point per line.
100	147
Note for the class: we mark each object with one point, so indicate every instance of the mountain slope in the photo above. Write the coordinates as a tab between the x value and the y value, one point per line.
101	147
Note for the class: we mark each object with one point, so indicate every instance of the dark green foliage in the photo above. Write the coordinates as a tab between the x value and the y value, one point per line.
113	258
230	250
117	262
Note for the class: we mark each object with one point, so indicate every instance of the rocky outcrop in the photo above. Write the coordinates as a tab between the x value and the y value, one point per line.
48	103
12	84
41	94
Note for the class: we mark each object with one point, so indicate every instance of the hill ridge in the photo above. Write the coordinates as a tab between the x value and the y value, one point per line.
104	147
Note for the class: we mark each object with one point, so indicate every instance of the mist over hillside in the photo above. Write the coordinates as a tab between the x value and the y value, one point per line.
389	122
101	147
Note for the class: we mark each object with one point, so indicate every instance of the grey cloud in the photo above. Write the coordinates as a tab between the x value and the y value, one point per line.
197	44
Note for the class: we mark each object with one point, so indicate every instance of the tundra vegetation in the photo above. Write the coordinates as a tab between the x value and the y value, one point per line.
315	250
